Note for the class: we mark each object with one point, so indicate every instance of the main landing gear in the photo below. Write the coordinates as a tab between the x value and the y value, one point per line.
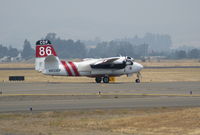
99	79
138	77
106	79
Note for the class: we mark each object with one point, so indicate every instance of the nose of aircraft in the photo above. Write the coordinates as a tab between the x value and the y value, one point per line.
139	66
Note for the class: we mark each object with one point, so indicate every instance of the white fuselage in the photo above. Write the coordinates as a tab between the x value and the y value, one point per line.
83	68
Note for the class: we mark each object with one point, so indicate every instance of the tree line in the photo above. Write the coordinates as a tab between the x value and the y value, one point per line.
182	54
149	45
26	53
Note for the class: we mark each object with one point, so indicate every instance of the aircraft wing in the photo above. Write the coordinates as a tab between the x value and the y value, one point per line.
108	63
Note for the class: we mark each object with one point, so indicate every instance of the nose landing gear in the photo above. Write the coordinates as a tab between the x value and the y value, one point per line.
139	76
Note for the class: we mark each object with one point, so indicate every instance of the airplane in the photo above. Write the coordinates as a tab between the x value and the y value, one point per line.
101	69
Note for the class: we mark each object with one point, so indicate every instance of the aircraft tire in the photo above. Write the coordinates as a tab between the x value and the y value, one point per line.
137	80
98	79
106	79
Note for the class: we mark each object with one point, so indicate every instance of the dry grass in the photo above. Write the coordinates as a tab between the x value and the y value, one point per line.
34	76
16	65
185	62
148	75
154	121
166	75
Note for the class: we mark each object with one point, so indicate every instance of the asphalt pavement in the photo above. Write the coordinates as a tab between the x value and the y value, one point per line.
20	96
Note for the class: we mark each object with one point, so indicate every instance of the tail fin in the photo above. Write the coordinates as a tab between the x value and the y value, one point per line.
43	49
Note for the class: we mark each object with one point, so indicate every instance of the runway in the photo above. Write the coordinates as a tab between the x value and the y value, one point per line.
19	96
56	105
93	88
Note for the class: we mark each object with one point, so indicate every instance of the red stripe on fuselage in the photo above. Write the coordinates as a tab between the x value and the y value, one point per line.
67	68
74	68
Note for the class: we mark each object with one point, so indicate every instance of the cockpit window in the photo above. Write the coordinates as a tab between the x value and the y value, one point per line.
129	62
128	57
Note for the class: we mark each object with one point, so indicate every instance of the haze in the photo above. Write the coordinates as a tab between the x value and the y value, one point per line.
107	19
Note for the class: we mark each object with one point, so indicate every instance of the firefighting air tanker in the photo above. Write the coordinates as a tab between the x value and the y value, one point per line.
101	69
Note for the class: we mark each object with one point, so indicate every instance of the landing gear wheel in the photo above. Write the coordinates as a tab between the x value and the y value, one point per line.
106	79
137	80
98	79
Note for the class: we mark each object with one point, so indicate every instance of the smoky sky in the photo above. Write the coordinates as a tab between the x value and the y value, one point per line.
107	19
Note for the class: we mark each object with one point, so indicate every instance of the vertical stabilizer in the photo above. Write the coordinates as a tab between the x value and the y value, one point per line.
43	49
